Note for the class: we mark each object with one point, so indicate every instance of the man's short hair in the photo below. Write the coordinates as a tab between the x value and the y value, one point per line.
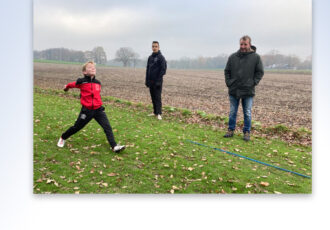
155	42
84	66
246	37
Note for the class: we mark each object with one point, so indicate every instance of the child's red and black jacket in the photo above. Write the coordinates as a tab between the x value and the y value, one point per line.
90	89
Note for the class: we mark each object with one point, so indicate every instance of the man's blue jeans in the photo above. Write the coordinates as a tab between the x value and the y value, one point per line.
247	107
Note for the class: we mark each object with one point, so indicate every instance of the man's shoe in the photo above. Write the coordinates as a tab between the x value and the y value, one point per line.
118	148
246	136
230	133
61	142
159	117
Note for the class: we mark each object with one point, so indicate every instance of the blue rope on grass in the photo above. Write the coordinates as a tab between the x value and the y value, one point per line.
248	158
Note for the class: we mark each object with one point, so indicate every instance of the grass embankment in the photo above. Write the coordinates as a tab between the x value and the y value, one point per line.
157	158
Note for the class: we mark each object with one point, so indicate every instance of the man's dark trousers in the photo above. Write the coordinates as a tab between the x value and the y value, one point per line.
156	96
85	116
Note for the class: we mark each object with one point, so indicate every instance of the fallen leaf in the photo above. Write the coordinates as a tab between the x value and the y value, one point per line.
112	174
175	188
190	168
118	158
265	184
248	185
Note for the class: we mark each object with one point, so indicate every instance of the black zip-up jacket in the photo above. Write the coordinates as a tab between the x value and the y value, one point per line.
242	73
156	68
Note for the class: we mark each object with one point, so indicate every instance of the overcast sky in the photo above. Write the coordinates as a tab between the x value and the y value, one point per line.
183	28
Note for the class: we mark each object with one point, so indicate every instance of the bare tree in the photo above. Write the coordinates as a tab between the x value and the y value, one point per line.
99	55
125	55
293	61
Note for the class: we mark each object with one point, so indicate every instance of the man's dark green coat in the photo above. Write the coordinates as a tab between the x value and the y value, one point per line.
242	73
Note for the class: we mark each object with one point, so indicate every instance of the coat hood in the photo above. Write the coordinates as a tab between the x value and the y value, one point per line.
241	54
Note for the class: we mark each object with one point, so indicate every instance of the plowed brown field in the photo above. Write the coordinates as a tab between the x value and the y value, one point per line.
280	98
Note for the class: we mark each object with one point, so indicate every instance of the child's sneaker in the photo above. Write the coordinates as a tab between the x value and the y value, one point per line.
118	148
159	117
61	142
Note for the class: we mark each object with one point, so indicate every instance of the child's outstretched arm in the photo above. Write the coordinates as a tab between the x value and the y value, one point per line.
70	85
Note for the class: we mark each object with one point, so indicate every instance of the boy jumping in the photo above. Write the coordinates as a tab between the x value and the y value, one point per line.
91	102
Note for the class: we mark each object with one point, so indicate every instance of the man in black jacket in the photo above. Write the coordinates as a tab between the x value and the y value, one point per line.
243	72
156	69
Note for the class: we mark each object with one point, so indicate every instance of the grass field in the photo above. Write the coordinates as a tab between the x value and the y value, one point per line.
63	62
157	159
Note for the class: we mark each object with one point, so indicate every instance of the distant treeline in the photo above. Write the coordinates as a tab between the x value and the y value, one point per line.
126	56
271	60
98	55
218	62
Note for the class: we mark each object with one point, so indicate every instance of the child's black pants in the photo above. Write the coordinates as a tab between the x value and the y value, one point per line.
86	116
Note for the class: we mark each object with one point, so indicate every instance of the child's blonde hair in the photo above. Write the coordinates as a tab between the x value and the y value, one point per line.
84	66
